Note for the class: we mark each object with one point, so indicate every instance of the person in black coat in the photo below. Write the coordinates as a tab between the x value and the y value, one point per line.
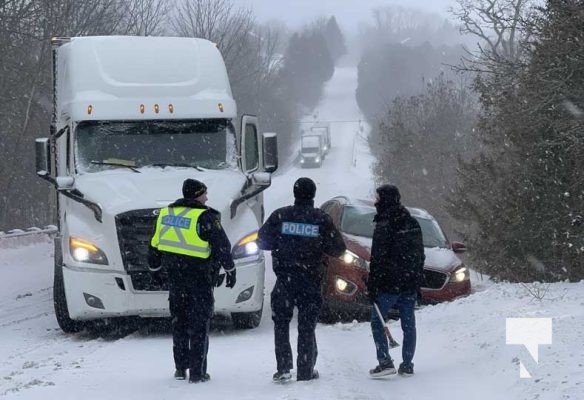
299	236
396	273
190	244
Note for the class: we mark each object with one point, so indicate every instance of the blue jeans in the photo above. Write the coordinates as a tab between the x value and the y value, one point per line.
405	303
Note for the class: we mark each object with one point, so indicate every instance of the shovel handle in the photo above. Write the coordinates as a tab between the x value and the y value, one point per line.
392	342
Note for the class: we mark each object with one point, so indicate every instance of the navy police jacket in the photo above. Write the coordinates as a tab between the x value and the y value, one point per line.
299	236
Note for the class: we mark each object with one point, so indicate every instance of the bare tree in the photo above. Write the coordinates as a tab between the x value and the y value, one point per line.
500	26
219	21
145	17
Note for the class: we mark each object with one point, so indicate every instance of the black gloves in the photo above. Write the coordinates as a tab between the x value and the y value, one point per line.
230	279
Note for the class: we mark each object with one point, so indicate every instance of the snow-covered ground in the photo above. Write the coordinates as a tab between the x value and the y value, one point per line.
461	353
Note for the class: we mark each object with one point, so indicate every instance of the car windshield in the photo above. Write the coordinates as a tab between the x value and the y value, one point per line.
358	221
187	143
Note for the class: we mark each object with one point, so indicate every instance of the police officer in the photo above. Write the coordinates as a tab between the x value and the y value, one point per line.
191	245
299	236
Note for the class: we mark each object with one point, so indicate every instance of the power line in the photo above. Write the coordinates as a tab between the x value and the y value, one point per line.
323	120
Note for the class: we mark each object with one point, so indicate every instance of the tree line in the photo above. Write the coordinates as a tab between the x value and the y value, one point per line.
266	65
496	149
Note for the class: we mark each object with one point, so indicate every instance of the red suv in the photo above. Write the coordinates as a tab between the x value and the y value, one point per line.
344	286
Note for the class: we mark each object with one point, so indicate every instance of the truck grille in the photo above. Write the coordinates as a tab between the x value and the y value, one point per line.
135	229
434	279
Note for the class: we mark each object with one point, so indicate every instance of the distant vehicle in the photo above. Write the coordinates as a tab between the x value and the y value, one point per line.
344	284
324	130
311	150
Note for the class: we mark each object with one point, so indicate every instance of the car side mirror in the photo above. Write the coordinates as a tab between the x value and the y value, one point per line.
270	151
458	247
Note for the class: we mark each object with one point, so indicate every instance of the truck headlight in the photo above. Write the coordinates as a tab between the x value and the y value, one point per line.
246	247
351	258
302	160
84	251
317	159
460	274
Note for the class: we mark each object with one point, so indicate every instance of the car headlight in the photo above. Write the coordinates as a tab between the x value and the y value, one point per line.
87	252
246	247
345	286
460	274
353	259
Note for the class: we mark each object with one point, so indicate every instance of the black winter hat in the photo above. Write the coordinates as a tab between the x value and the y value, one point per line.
388	194
193	188
304	188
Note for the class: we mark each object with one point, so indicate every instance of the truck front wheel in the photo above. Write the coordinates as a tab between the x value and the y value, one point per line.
60	301
247	320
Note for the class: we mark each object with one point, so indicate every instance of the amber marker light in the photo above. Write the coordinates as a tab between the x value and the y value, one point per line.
89	109
249	238
171	108
156	108
142	108
220	105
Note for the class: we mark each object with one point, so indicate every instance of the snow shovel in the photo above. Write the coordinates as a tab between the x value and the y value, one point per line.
392	342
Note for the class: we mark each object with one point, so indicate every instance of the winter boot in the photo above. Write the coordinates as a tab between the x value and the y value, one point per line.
315	375
199	378
282	376
180	374
406	370
383	370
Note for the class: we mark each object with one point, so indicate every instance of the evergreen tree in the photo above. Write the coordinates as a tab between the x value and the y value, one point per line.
526	188
334	39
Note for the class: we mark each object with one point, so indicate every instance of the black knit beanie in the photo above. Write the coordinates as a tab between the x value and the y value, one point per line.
304	188
193	188
388	195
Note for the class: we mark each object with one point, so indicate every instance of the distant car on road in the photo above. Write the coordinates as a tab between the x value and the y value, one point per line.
344	283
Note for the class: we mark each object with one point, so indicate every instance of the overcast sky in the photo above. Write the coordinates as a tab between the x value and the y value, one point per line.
347	12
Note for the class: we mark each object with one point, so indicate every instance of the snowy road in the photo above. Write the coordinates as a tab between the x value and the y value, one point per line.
461	350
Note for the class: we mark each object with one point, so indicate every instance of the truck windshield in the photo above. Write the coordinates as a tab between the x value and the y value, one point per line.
188	143
310	144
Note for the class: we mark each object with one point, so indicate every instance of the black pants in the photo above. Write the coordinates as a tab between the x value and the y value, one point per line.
308	300
191	310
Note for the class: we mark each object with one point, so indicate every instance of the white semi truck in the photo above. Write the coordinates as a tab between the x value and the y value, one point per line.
133	117
323	129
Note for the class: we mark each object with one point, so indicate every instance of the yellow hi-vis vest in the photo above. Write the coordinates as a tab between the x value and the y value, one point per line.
176	232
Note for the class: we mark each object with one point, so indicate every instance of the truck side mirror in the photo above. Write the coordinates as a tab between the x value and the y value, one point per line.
65	182
43	164
270	150
261	178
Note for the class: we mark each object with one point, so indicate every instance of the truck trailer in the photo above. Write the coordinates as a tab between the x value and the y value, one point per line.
133	117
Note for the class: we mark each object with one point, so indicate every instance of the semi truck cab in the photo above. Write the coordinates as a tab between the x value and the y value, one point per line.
133	117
